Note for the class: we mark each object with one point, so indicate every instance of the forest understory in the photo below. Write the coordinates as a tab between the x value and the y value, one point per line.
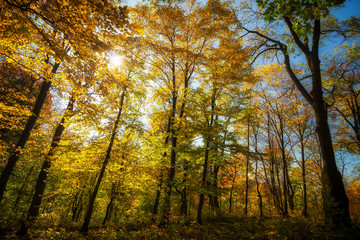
227	228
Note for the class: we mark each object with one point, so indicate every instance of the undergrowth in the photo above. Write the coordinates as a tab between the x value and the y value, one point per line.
212	228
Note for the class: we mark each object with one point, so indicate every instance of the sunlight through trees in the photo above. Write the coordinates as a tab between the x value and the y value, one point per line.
178	120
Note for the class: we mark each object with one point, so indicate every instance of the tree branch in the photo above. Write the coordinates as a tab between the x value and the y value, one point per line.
304	48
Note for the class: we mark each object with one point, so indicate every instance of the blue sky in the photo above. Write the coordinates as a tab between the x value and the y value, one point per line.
351	8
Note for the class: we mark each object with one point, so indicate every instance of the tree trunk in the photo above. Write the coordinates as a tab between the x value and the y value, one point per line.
215	197
110	206
33	211
85	226
231	193
206	159
290	191
183	207
157	197
335	201
247	169
161	177
256	174
284	165
203	182
17	200
303	174
258	190
167	207
77	205
279	196
12	160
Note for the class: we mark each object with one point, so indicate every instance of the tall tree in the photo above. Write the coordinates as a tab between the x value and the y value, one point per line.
174	48
305	31
219	102
89	211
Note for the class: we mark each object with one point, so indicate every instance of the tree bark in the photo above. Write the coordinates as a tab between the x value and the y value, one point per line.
14	157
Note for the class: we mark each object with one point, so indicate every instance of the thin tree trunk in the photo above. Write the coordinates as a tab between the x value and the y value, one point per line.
303	174
279	196
157	197
291	192
110	206
258	190
247	169
22	188
285	188
231	193
216	199
183	207
167	207
76	206
109	209
284	165
85	226
14	157
161	177
203	182
206	159
256	175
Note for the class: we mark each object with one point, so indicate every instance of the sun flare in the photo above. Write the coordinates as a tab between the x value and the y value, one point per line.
116	60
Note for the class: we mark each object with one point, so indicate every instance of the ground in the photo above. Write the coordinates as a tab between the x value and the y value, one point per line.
213	228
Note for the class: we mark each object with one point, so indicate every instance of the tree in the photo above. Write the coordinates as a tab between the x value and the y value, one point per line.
305	31
219	101
342	87
174	47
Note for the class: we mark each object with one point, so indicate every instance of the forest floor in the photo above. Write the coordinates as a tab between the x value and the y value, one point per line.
212	228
